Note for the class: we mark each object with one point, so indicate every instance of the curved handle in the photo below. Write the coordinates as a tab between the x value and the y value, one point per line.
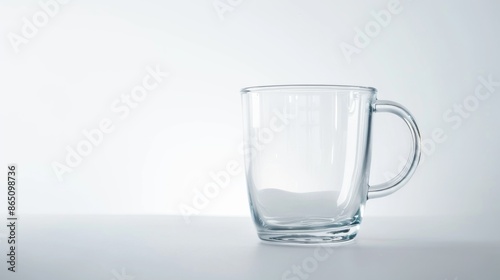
402	178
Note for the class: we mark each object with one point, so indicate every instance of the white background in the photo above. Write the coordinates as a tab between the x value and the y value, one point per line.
65	78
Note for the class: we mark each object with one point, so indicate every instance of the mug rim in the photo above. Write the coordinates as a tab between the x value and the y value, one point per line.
307	86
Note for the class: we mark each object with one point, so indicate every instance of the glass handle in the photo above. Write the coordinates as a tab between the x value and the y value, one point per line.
402	178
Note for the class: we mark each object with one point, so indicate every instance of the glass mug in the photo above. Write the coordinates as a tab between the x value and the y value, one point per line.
307	159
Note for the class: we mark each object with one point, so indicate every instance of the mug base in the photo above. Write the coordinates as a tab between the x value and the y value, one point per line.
337	235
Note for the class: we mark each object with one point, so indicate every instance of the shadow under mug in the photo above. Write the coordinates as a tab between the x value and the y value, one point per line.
307	159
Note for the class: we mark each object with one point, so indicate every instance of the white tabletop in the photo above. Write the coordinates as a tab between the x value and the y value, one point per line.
165	247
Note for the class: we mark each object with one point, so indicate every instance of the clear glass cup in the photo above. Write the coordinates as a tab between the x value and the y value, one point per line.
307	158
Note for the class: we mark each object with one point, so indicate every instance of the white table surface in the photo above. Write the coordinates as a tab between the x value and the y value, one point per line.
165	247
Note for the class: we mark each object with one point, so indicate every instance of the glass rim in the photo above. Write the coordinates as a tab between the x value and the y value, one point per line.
307	86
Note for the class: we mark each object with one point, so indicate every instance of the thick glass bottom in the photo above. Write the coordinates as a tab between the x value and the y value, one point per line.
334	235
